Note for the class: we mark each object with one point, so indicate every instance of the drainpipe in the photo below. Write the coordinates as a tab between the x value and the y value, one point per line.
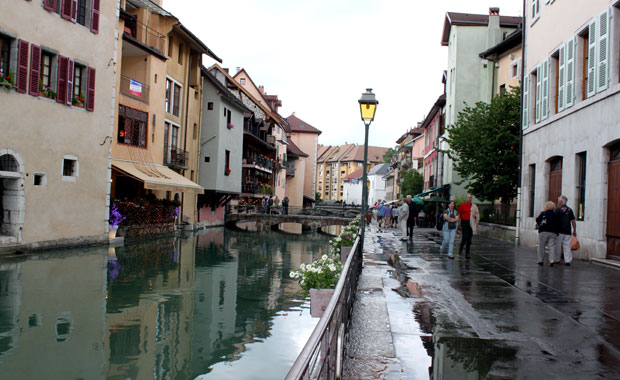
188	71
519	181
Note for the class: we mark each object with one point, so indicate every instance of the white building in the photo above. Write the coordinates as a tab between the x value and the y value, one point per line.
352	188
376	189
571	142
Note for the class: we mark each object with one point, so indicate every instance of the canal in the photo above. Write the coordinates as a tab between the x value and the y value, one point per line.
216	305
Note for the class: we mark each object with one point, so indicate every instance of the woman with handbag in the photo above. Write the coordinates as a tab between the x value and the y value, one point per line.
547	226
449	229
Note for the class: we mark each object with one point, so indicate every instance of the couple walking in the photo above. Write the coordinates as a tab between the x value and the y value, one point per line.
466	218
406	216
554	231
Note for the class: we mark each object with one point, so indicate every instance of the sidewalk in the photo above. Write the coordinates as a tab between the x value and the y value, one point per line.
498	316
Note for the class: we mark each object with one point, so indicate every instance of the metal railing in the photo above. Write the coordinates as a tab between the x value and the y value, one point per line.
280	210
175	157
145	34
142	94
322	356
263	162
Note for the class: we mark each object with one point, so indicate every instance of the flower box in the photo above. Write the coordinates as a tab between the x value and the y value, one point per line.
319	299
230	126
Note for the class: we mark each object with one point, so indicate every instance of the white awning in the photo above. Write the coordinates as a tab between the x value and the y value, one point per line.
156	177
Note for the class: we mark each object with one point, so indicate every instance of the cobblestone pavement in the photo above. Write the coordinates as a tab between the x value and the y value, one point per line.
419	315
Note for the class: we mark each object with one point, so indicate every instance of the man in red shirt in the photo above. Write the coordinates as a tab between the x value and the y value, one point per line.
464	216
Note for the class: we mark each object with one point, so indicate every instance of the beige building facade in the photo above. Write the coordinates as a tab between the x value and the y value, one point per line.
306	137
57	96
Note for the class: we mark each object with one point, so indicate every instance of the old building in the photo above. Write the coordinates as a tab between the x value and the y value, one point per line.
434	127
57	96
306	137
571	119
155	145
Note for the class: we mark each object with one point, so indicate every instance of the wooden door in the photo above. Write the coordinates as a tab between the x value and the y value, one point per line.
555	180
613	204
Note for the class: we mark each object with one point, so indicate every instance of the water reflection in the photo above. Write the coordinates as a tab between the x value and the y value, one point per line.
217	305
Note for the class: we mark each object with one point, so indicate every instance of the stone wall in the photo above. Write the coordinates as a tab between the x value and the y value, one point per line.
497	231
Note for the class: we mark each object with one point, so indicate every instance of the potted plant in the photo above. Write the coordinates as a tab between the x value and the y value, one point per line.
78	101
227	172
46	91
115	219
230	126
319	278
6	81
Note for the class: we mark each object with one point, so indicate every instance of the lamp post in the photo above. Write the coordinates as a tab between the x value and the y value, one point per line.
368	106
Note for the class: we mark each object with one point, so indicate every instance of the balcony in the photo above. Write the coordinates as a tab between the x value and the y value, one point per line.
405	162
143	33
175	158
134	89
259	134
290	169
258	162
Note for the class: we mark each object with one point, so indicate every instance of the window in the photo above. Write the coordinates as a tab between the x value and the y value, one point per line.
132	127
210	106
180	57
532	189
173	97
83	12
514	70
535	10
242	81
5	56
195	134
588	39
46	69
229	117
581	185
227	162
40	179
502	89
69	168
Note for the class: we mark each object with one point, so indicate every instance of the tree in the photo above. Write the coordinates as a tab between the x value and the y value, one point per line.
484	145
387	157
412	183
317	197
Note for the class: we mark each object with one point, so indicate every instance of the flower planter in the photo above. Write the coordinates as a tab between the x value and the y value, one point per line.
79	105
112	232
319	299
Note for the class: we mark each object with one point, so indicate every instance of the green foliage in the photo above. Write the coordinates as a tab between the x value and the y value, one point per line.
484	145
387	157
412	183
317	197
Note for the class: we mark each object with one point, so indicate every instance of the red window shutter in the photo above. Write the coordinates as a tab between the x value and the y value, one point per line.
22	66
50	5
69	82
35	69
94	23
66	10
61	93
73	10
90	96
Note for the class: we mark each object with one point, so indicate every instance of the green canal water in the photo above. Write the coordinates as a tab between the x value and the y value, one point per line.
216	305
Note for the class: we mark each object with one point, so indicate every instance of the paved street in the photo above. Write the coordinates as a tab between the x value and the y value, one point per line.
498	316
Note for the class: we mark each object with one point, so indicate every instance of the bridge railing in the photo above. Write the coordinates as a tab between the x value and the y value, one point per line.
280	210
322	356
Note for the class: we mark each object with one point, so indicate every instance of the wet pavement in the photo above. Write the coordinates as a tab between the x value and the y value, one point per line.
419	315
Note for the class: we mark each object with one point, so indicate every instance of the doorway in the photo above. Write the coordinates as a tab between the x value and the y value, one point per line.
11	199
555	179
613	203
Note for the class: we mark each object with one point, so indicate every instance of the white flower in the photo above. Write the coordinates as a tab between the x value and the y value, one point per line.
324	257
292	275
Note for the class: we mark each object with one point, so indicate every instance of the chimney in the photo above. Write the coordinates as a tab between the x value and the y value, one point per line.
494	34
225	69
261	89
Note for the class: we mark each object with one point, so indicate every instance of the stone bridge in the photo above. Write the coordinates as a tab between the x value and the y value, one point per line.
267	221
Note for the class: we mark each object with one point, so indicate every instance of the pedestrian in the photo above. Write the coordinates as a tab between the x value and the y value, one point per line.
263	209
449	229
565	218
474	218
380	213
547	226
413	212
403	216
421	218
276	202
388	215
269	204
285	206
464	216
395	215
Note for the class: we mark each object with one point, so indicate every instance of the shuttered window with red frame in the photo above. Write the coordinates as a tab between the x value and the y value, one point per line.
22	66
90	95
61	93
69	100
35	67
94	18
50	5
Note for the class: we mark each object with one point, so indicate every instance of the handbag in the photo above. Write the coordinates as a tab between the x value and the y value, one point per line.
451	225
574	244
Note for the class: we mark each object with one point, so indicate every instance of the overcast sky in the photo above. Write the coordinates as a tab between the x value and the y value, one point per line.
319	56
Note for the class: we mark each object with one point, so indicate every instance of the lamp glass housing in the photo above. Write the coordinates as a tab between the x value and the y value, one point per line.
368	111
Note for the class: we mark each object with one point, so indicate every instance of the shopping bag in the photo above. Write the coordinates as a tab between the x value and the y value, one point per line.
574	244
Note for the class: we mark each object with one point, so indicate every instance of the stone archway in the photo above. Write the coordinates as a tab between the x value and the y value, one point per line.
12	201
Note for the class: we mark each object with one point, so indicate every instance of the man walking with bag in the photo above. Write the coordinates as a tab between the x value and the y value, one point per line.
413	213
566	219
464	216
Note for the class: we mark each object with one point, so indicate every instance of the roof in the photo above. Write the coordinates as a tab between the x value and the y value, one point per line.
469	19
198	45
439	104
155	177
356	174
298	125
322	150
294	150
151	6
380	169
224	92
511	41
351	152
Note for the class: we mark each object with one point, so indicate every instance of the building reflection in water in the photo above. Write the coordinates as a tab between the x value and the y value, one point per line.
219	304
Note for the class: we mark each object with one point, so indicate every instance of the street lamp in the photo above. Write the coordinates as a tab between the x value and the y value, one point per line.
368	106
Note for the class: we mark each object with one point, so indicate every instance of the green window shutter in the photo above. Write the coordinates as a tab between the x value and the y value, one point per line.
561	76
591	83
570	72
545	90
538	95
526	101
602	72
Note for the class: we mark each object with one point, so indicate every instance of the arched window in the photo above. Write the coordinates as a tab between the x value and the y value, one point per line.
8	163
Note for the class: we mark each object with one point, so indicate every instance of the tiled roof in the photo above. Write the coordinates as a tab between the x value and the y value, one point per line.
298	125
356	174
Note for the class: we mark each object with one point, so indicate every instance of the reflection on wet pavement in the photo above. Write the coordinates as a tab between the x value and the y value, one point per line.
498	316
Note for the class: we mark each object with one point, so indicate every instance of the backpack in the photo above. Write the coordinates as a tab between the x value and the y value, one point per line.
440	221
